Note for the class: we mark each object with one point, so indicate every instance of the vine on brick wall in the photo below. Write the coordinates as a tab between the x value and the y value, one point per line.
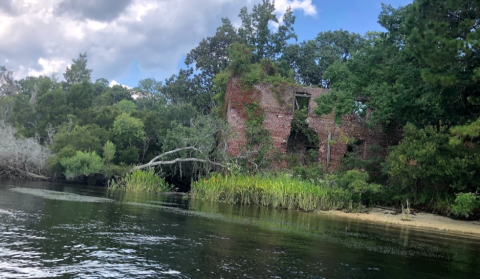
239	80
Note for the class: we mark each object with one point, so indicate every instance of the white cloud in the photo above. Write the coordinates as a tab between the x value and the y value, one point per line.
114	82
41	37
305	6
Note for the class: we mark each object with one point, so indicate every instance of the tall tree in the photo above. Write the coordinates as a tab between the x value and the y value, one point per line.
211	54
445	38
261	15
312	58
286	32
256	33
77	72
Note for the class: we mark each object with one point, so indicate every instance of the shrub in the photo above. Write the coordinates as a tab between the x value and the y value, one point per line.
466	204
356	182
83	163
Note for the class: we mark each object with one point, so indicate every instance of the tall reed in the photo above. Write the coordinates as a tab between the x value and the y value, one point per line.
280	191
141	181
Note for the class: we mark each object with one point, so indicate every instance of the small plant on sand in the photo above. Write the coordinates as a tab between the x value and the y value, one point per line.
406	211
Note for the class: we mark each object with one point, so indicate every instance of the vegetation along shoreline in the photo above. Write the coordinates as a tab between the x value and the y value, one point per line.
341	121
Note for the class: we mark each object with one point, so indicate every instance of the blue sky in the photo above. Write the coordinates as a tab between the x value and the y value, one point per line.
352	15
129	40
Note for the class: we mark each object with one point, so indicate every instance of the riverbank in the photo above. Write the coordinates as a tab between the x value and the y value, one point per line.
419	220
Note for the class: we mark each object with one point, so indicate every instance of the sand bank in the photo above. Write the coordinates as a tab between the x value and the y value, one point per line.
419	220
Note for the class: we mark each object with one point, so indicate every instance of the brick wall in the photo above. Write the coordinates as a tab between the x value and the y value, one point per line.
277	103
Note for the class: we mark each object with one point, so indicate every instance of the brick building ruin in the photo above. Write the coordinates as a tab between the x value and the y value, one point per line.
279	104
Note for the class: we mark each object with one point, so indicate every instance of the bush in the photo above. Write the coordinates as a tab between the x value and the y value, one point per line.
466	204
310	173
356	182
83	163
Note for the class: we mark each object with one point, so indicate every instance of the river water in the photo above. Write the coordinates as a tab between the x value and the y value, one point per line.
55	230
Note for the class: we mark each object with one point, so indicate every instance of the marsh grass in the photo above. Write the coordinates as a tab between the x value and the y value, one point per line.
141	181
280	191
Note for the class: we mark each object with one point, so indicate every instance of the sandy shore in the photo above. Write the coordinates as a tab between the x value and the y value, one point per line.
419	220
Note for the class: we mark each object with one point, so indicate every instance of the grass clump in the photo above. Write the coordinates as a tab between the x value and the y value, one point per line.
281	191
141	181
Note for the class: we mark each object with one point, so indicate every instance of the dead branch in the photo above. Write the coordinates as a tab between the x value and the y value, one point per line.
153	164
18	173
173	151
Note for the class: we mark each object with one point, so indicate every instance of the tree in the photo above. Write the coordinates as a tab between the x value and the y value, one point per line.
384	79
51	109
80	96
194	150
113	95
128	130
261	15
82	164
256	34
77	72
426	168
286	32
312	58
211	54
8	86
126	106
181	89
24	155
150	93
84	138
444	36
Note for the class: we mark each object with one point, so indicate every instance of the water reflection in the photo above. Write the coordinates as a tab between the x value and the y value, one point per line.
167	236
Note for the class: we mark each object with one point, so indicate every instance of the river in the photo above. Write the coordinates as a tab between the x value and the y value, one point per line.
50	230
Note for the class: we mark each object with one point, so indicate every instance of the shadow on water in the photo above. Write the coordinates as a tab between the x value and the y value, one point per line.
50	230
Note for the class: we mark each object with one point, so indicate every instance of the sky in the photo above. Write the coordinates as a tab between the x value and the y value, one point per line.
129	40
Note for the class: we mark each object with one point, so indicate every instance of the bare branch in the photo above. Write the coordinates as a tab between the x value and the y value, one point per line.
174	151
153	164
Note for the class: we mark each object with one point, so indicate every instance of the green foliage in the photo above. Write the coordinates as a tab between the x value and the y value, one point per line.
466	204
128	155
258	138
426	167
77	72
105	117
203	134
312	58
80	96
113	95
312	173
303	140
127	130
141	181
109	150
241	59
211	55
126	106
83	138
82	164
357	183
469	132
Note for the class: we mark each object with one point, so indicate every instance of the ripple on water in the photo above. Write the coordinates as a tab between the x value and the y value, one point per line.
63	196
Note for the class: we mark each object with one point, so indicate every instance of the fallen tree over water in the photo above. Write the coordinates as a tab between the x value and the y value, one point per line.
155	161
